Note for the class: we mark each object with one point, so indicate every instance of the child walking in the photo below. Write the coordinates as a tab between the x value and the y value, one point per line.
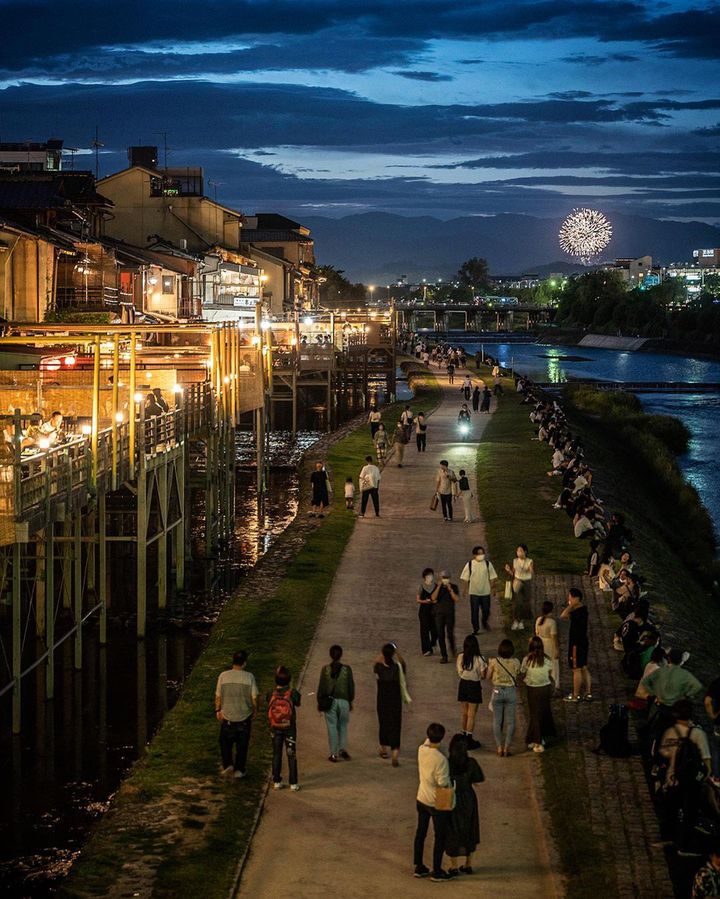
283	703
349	494
466	494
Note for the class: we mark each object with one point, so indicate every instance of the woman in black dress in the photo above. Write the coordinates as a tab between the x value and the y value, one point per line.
320	498
486	397
476	398
390	673
464	825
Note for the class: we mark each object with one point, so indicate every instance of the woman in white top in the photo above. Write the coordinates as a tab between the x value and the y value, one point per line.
546	628
536	669
471	668
374	419
503	672
522	574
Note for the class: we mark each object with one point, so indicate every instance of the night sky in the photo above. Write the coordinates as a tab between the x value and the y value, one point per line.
408	106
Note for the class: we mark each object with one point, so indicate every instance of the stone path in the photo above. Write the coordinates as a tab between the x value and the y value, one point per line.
349	831
620	804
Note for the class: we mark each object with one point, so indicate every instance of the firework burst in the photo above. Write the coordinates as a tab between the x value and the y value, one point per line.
585	233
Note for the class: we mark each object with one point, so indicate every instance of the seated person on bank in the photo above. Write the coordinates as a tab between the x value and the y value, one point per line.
52	429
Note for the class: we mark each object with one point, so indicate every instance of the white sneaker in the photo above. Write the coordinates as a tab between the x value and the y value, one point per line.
239	775
226	772
514	626
531	745
278	786
521	625
294	787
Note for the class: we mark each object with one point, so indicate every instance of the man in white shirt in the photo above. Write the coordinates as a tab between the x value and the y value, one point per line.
477	577
443	487
434	772
236	701
369	484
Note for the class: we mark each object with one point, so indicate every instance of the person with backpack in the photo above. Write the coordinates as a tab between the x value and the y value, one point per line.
685	748
503	673
335	696
444	482
477	578
236	702
282	704
407	420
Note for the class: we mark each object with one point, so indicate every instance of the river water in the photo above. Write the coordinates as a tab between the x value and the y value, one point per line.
58	776
699	411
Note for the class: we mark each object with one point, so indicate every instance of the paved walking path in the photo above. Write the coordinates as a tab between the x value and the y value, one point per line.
349	831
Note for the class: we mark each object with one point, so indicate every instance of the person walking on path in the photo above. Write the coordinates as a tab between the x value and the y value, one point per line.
349	494
503	673
444	488
546	628
464	825
471	668
536	671
335	696
467	387
486	397
369	486
407	419
380	439
444	597
466	496
421	432
236	703
283	703
450	368
374	419
390	671
320	490
428	634
400	439
522	572
476	398
477	579
576	613
433	772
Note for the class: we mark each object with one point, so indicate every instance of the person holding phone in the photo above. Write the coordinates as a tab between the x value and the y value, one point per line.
443	599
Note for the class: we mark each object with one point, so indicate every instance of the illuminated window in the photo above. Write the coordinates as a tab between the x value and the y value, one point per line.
168	284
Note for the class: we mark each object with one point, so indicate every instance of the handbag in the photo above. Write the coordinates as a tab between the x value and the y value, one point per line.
508	590
434	502
445	798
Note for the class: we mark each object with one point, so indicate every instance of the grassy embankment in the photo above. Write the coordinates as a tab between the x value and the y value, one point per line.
177	777
515	499
635	472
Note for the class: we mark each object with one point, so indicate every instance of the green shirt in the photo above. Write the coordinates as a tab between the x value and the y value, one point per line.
671	683
341	687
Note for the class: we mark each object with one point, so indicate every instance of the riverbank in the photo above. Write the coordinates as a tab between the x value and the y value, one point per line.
175	828
670	346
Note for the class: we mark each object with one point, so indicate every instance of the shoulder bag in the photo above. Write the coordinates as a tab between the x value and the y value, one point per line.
445	798
325	700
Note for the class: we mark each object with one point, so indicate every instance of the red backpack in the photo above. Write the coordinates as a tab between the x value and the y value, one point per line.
281	710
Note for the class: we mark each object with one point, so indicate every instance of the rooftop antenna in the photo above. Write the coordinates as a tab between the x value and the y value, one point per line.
72	151
165	146
96	145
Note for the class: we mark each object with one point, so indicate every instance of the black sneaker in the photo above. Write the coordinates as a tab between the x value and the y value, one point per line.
441	877
421	871
443	660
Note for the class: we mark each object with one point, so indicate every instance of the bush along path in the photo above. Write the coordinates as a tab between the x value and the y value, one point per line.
175	828
600	811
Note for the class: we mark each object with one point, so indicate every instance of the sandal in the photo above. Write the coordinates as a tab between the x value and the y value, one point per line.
383	754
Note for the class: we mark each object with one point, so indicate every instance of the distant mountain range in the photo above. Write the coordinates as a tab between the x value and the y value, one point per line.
379	247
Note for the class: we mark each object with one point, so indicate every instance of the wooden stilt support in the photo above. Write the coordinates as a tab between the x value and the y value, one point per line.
78	589
50	609
16	637
40	566
162	543
67	561
102	566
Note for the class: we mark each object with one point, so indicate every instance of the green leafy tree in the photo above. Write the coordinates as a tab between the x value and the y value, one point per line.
337	291
475	273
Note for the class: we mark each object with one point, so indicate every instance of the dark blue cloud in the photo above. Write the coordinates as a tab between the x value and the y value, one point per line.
424	76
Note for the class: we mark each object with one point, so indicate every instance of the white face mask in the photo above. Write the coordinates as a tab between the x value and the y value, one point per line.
480	556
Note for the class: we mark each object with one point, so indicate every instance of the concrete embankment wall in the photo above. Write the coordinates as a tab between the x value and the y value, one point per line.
606	342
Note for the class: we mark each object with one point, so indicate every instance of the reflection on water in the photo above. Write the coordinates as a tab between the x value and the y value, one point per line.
56	778
701	414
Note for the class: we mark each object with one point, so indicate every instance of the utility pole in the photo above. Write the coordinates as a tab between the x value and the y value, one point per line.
96	145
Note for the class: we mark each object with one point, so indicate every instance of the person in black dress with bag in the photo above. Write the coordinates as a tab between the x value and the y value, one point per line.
464	826
392	692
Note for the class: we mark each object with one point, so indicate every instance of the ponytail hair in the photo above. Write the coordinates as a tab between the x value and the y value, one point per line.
547	608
